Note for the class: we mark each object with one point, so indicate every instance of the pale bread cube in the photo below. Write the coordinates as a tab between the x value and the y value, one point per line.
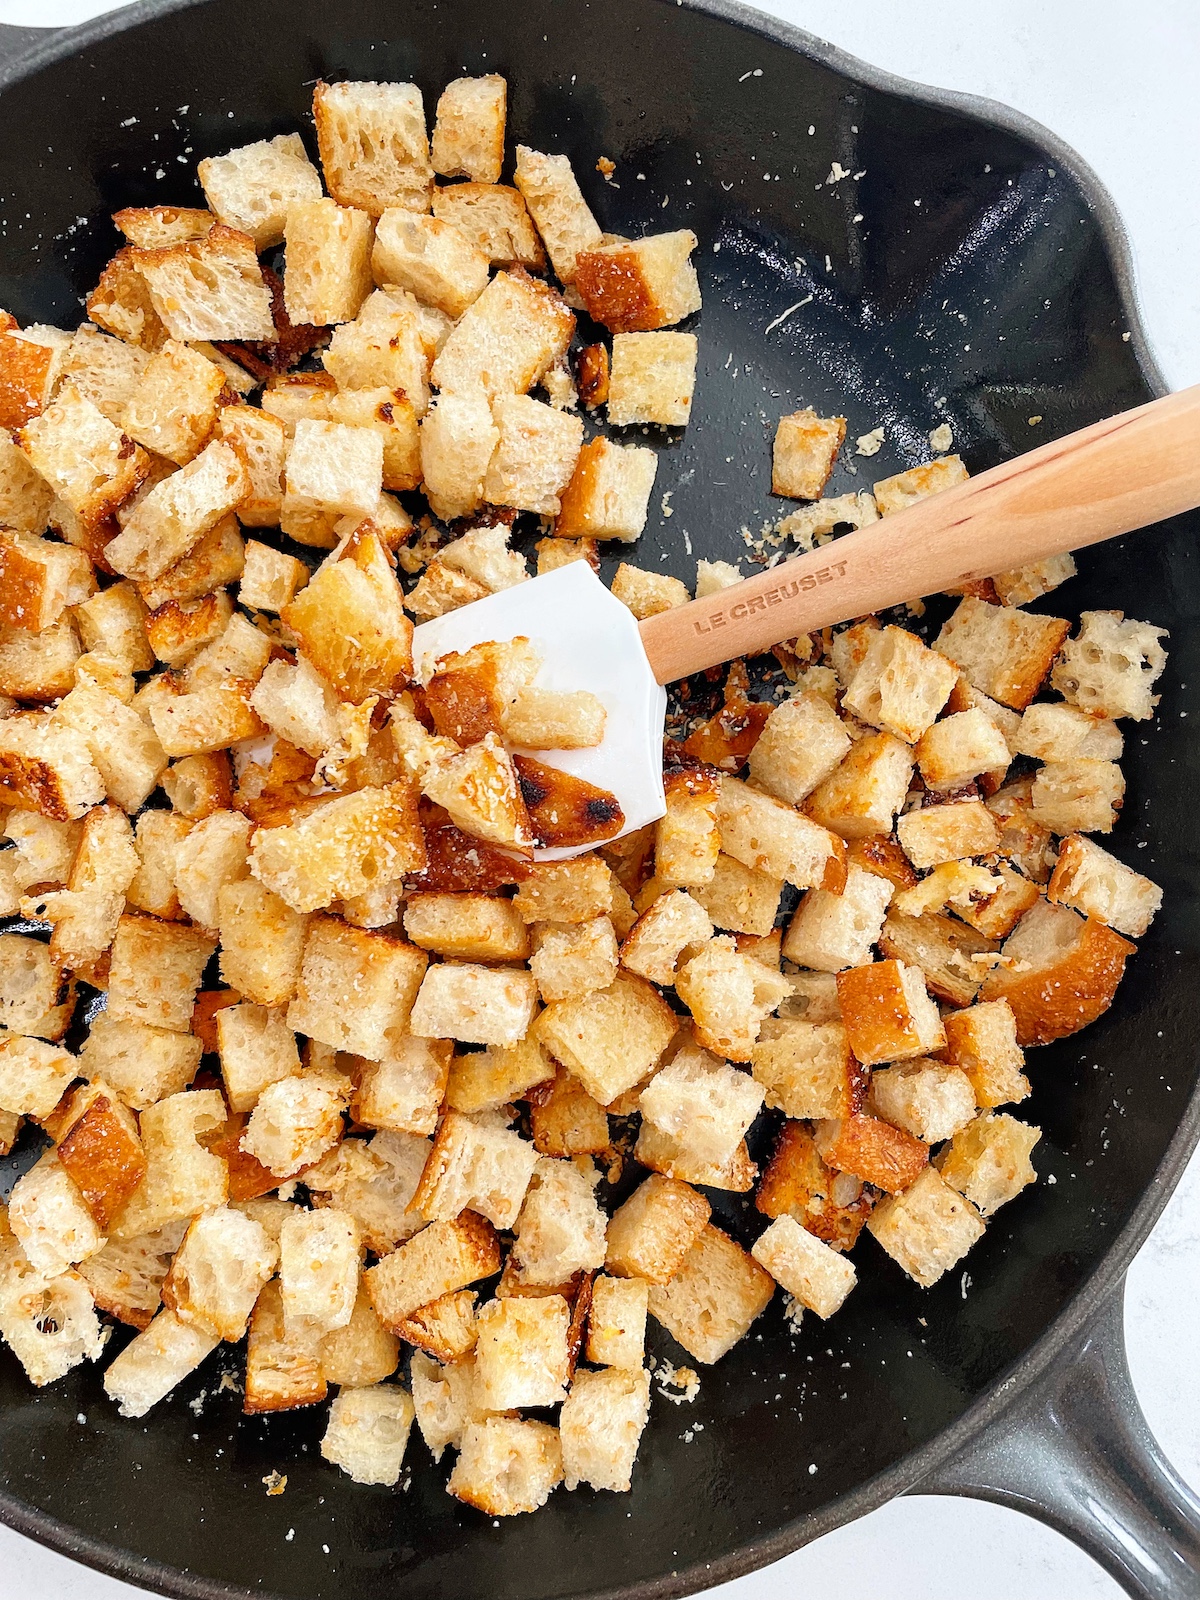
496	220
988	1162
659	938
653	378
430	259
210	288
382	972
639	285
820	1278
283	1369
687	840
143	1064
290	396
374	146
39	667
319	1256
714	1297
381	348
1055	731
213	855
601	1426
444	1401
1110	667
982	1041
468	132
294	1122
830	932
34	997
328	272
565	891
805	449
929	1099
703	1104
344	847
1092	882
1078	796
50	1325
159	1359
535	454
608	496
572	960
478	1166
367	1432
729	994
262	942
178	512
561	1229
458	439
939	833
44	849
53	1224
557	206
34	1076
253	187
610	1039
182	1177
1023	584
906	488
443	1257
216	558
84	458
270	579
484	556
403	1092
1005	652
942	947
126	754
763	833
362	1352
506	341
648	593
219	1272
549	719
802	742
390	414
927	1229
104	370
257	1048
374	1181
901	685
172	406
959	748
617	1322
155	971
887	1012
296	702
506	1466
332	468
485	1080
650	1235
1061	972
806	1069
521	1357
466	927
113	621
663	1153
25	496
474	1004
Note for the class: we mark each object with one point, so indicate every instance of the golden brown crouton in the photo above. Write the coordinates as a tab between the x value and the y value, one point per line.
341	848
807	1069
650	1235
1061	972
443	1257
927	1229
832	1206
887	1013
210	288
351	624
283	1370
495	219
638	286
710	1303
806	447
508	338
558	208
506	1466
982	1041
1005	652
382	972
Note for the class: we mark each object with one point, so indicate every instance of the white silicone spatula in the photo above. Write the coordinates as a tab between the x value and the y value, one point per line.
1120	474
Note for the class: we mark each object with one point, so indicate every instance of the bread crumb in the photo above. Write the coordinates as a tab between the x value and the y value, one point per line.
869	444
942	437
276	1482
682	1379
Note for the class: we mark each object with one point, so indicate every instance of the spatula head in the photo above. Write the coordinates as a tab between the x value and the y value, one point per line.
587	640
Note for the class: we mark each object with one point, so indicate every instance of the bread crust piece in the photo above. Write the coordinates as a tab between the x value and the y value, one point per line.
1076	966
873	1151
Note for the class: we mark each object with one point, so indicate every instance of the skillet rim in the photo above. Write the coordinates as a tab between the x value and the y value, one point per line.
910	1471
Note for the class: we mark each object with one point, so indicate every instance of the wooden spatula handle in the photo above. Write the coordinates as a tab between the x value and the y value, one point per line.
1123	473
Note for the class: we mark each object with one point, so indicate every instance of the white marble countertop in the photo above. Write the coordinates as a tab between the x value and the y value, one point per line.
1124	97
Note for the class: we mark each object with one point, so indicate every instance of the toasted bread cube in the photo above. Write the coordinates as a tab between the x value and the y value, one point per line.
1078	796
90	464
507	1466
831	932
404	1091
665	1154
25	496
44	850
479	788
35	999
901	685
474	1004
705	1105
368	1432
182	1177
333	468
1055	731
99	1147
573	960
982	1041
290	397
210	288
959	748
729	994
862	796
495	219
940	833
328	272
801	744
121	302
687	839
806	447
103	369
219	1272
662	934
51	1220
429	258
873	1151
198	785
617	1320
362	1352
126	753
561	1227
943	948
446	1328
373	143
641	285
565	1120
1111	666
390	414
998	915
261	441
1060	972
177	633
40	667
39	580
609	492
374	1181
1023	584
711	1301
906	488
565	891
49	1324
557	206
887	1013
1004	652
442	1258
33	1075
173	404
262	942
547	719
254	187
382	972
601	1427
485	1080
535	454
820	1278
1092	882
478	1166
296	703
143	1064
458	438
806	1068
648	593
444	1401
213	854
270	579
178	512
988	1162
294	1122
763	833
351	624
466	927
653	378
155	972
484	556
283	1369
31	362
610	1039
650	1235
341	849
215	559
929	1099
382	348
927	1229
157	1361
257	1048
318	1270
468	134
521	1358
126	1276
832	1206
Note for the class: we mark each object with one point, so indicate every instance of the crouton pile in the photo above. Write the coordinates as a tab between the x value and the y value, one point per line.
363	1071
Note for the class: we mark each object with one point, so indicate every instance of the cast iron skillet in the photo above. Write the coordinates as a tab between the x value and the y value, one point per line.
971	270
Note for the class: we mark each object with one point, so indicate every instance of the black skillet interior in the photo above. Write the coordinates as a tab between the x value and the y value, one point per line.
954	274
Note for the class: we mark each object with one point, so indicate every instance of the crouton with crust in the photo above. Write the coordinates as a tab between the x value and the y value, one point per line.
887	1013
382	972
982	1041
373	144
1060	972
1096	884
506	1466
328	274
714	1297
640	285
222	1265
1005	652
253	187
806	446
474	1004
806	1069
557	206
609	1039
495	219
942	948
367	1433
988	1162
608	496
443	1257
863	794
210	288
283	1369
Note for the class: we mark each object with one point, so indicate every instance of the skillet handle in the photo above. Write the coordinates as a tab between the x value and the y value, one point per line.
1075	1451
16	42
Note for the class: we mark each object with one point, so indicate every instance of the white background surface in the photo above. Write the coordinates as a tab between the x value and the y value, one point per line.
1117	81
